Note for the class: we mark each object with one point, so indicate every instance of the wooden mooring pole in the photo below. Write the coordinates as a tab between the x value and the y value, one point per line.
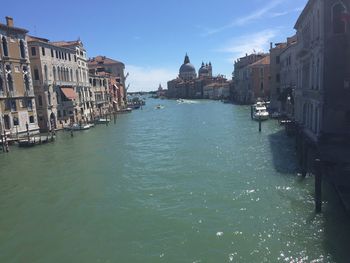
259	123
318	186
251	112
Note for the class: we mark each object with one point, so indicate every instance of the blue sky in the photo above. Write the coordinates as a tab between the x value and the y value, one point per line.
151	37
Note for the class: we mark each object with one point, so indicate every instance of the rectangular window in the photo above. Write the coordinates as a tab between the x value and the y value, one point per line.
15	121
36	74
52	54
56	54
65	56
13	105
43	51
31	119
69	57
33	49
277	59
278	78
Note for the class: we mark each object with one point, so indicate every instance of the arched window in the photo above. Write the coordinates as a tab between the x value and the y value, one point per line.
4	47
77	75
71	75
54	73
339	25
40	100
10	82
26	82
46	75
58	73
49	97
22	49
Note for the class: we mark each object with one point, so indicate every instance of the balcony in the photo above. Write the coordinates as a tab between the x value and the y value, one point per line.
64	83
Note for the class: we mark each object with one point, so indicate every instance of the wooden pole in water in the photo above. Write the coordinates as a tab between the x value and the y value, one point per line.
304	161
7	149
318	186
259	123
2	142
251	112
114	117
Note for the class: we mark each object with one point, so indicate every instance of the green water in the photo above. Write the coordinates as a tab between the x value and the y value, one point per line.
188	183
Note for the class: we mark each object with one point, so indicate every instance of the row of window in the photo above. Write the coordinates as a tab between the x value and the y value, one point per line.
15	121
10	85
54	53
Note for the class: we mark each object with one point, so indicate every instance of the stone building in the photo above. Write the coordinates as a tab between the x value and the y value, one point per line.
17	101
252	78
83	108
275	72
55	83
115	69
188	86
100	89
322	95
288	78
283	75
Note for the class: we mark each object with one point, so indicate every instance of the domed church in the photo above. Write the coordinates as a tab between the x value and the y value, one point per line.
188	85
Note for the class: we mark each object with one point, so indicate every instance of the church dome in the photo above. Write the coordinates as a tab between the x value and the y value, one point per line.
187	70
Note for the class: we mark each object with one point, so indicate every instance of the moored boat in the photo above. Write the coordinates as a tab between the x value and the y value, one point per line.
260	112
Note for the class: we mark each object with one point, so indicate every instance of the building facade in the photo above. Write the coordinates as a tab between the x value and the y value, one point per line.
17	101
322	95
101	94
115	69
55	83
84	102
252	78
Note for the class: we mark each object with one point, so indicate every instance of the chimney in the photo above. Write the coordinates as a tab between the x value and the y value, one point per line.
271	45
9	21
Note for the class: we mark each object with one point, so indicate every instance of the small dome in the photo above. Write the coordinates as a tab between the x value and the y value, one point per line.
203	70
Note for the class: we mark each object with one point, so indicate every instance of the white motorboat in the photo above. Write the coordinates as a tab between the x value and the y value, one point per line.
78	127
260	112
102	121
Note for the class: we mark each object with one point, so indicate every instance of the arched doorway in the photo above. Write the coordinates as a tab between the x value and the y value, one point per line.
53	121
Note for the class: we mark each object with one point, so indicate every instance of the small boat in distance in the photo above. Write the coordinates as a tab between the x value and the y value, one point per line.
102	121
159	107
260	112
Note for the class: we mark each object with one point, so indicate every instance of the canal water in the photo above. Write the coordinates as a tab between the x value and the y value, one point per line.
192	182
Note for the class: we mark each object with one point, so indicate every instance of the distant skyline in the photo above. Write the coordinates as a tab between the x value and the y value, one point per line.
152	37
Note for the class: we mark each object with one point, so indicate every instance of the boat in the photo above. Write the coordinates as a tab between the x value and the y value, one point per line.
126	110
77	127
102	121
260	112
159	107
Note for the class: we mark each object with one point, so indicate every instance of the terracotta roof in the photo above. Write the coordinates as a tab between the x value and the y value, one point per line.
69	93
103	60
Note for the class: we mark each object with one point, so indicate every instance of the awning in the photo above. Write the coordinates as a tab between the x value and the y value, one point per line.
69	93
